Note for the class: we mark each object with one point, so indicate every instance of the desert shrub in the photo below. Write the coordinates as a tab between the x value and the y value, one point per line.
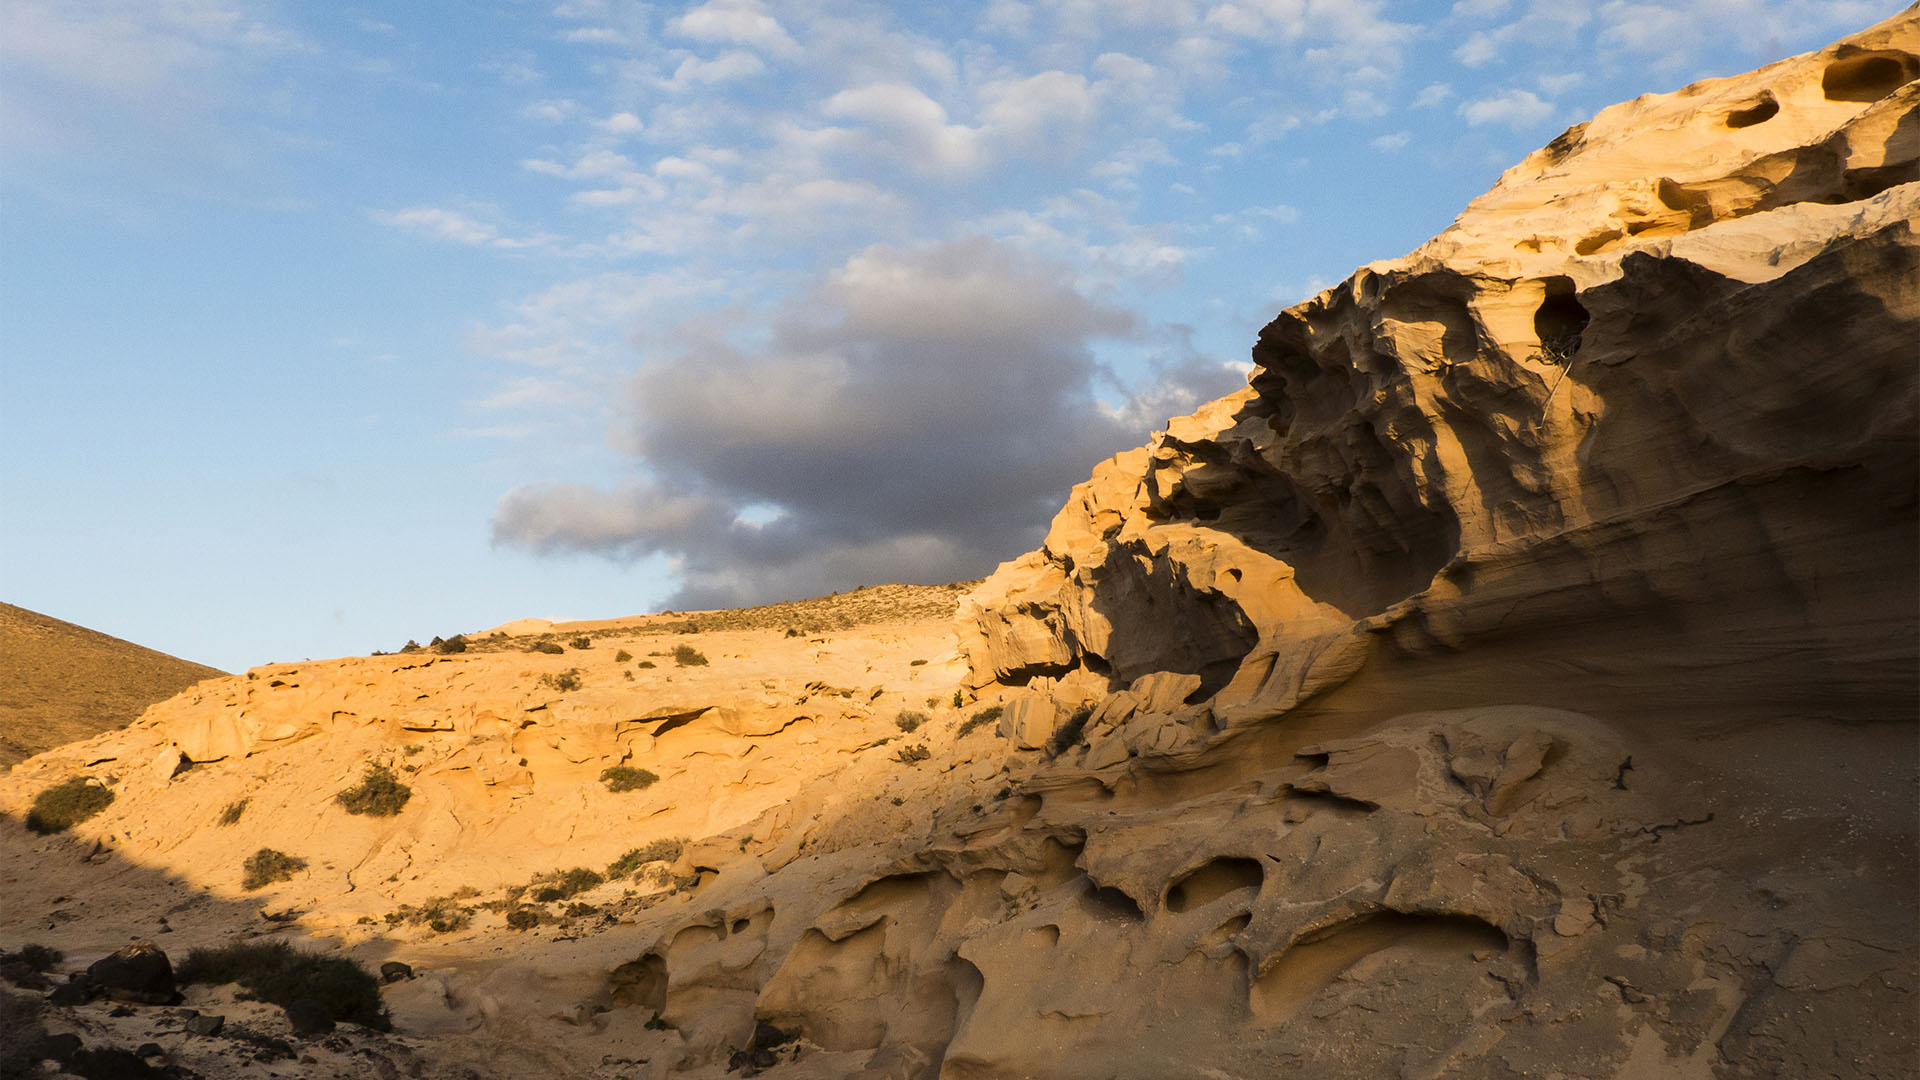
1067	734
378	794
576	910
658	851
688	656
550	647
455	644
231	815
564	884
410	646
67	804
442	915
20	1033
646	663
958	700
40	958
564	681
626	778
628	674
582	642
908	721
912	755
279	973
622	656
979	720
524	918
266	866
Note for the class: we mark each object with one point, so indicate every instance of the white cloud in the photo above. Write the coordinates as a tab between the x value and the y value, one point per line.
1432	94
551	110
727	67
737	22
1387	144
623	123
1517	109
457	227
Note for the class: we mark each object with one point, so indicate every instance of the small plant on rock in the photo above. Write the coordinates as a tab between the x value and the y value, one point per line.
658	851
622	656
67	804
909	721
688	656
912	755
582	642
455	644
231	815
552	648
564	884
378	794
979	720
626	778
1066	735
266	866
523	918
565	681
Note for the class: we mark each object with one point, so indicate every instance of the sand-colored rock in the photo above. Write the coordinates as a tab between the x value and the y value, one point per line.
1516	679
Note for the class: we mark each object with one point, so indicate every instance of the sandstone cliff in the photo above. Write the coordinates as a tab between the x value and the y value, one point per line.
1516	679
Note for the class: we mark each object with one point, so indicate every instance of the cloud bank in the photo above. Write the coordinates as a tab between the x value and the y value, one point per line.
915	415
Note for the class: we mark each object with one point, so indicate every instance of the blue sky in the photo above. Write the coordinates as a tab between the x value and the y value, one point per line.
328	326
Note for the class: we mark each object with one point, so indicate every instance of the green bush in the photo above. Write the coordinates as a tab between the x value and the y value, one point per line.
622	656
912	755
266	866
688	656
1067	734
565	681
564	884
231	815
958	700
626	778
279	973
979	720
410	646
582	642
646	663
909	721
524	918
441	914
67	804
550	647
658	851
455	644
378	794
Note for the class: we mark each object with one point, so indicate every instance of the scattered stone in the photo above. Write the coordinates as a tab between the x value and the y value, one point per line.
77	990
150	1049
206	1025
60	1047
394	971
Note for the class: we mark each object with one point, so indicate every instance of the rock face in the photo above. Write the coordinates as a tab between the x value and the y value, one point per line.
1643	418
1516	679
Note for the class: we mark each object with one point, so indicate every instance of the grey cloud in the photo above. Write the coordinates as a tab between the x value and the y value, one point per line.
914	416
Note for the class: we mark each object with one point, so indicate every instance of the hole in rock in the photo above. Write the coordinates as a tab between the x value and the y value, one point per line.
1560	320
1315	961
1212	881
1112	903
1868	76
641	982
1762	109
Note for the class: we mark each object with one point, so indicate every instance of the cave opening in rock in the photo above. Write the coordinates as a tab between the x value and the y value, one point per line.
1868	76
1560	320
1763	109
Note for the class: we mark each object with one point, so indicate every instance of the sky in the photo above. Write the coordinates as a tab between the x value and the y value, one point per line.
327	326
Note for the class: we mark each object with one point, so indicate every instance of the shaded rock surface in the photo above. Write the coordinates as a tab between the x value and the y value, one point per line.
1516	679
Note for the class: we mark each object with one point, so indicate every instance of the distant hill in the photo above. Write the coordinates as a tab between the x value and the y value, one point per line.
60	682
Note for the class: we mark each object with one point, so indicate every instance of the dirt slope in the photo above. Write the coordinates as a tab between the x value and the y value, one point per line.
60	683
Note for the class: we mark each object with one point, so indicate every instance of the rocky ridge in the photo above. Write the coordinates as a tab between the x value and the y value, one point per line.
1516	679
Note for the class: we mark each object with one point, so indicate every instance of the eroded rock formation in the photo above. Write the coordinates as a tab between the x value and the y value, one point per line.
1516	679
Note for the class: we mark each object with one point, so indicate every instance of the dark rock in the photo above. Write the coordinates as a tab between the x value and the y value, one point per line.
60	1048
393	971
120	1010
150	1049
112	1064
309	1018
21	973
139	972
77	990
206	1025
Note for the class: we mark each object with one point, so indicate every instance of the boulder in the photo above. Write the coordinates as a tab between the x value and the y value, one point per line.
139	972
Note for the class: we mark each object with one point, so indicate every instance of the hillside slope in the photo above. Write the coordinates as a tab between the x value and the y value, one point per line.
60	683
